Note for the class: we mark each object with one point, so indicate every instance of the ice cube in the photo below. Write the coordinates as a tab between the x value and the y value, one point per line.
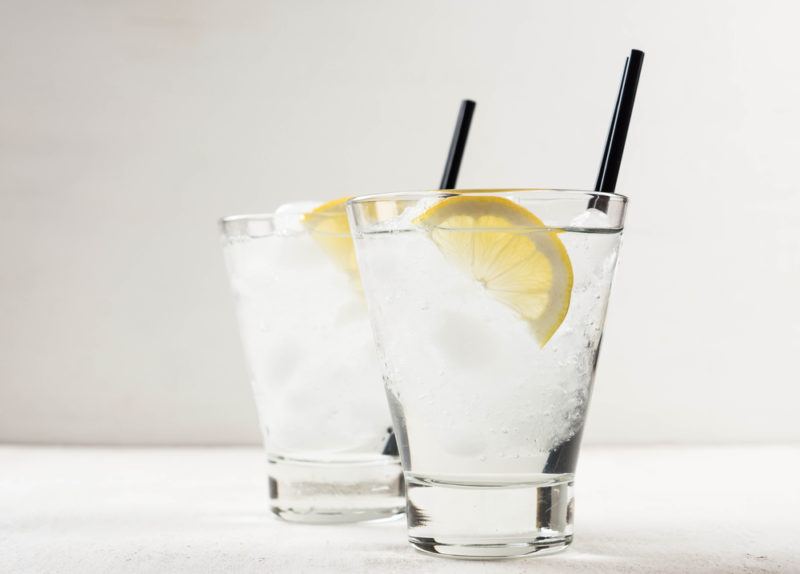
391	220
591	219
288	217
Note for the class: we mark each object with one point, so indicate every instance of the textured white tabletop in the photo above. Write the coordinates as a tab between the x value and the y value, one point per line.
654	509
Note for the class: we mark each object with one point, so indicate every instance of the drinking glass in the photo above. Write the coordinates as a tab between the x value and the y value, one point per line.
321	406
488	309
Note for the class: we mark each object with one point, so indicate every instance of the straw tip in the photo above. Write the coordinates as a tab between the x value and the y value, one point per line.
637	53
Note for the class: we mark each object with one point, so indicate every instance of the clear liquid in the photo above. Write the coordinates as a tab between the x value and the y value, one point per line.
475	399
306	335
316	382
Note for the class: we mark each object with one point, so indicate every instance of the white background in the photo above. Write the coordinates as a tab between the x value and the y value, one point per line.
127	128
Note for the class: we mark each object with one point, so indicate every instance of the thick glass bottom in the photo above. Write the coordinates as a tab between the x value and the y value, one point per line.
486	520
335	492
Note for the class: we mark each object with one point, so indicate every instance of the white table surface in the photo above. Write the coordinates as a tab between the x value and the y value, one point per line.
654	509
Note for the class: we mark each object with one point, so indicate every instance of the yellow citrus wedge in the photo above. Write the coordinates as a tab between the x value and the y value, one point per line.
507	249
329	227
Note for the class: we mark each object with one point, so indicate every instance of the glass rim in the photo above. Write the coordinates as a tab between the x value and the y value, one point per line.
266	216
531	191
245	217
229	221
525	197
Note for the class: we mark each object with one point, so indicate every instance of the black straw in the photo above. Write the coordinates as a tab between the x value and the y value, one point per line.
457	145
618	131
448	182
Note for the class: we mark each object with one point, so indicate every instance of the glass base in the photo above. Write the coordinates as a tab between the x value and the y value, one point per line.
334	492
484	521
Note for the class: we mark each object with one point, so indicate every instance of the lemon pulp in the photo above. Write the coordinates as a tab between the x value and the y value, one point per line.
510	252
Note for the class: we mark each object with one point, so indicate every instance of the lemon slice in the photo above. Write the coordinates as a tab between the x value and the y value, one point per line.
329	227
507	249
